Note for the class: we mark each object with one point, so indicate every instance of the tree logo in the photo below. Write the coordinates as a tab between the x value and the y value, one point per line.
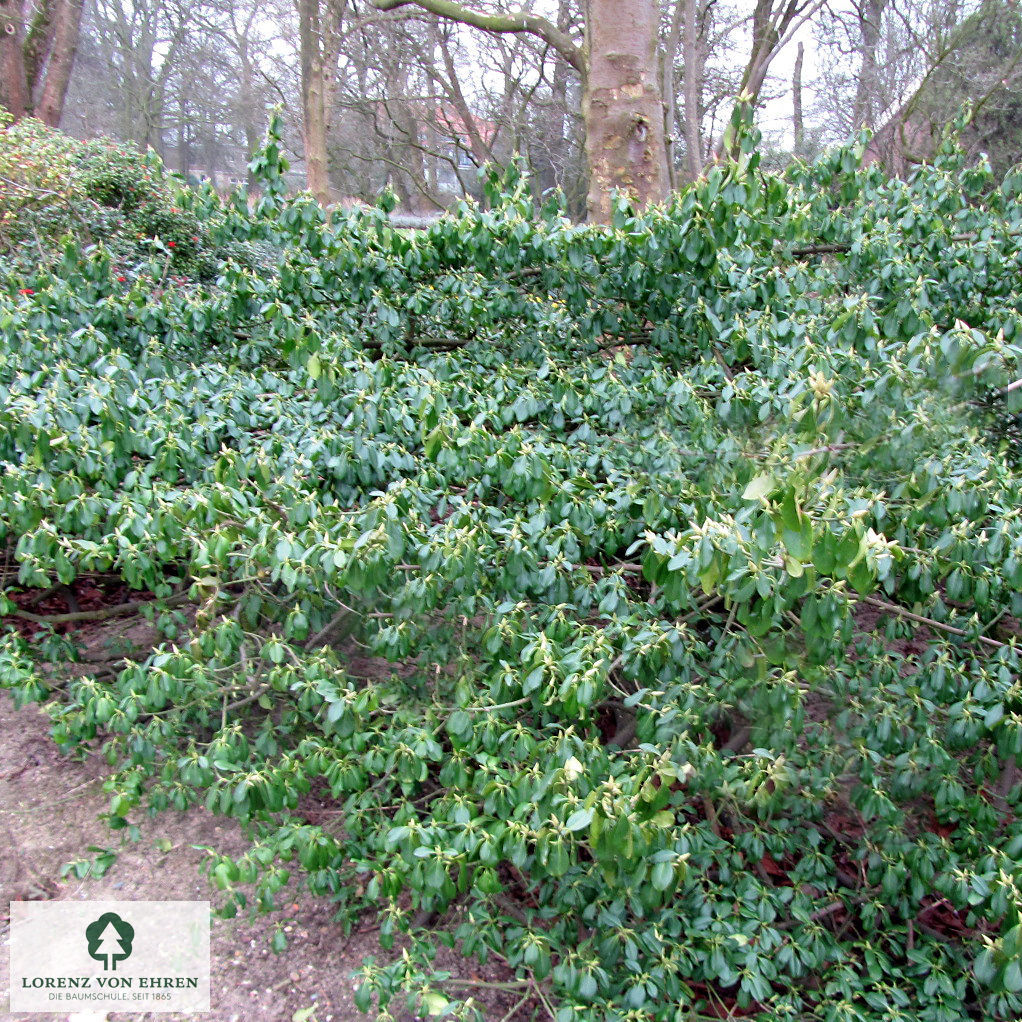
109	940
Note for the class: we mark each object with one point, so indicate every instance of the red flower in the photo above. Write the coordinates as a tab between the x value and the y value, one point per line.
25	291
122	279
171	244
195	237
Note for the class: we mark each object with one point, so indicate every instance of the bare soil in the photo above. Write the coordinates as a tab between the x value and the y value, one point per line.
49	804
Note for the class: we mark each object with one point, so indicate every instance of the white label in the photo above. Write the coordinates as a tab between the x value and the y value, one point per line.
100	956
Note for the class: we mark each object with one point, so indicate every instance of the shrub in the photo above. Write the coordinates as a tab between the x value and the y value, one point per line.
642	601
118	176
58	191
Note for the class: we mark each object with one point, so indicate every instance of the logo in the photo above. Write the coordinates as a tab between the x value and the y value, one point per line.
109	956
109	940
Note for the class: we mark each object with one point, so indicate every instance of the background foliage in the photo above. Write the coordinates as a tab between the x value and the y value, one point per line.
642	599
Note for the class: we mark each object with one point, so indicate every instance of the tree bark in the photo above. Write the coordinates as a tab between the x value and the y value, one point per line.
623	106
765	37
62	57
693	57
796	101
670	98
36	61
13	82
318	32
864	107
38	40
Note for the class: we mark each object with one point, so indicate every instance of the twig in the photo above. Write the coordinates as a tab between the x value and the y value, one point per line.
728	371
828	449
542	997
499	706
711	817
488	984
511	1014
624	567
328	627
845	246
828	910
893	608
700	609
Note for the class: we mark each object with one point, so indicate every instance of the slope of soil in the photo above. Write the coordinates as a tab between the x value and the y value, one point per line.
48	808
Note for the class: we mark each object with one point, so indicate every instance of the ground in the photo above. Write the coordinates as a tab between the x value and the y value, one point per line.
48	816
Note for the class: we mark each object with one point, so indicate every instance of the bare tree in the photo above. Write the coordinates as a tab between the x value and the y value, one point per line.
622	99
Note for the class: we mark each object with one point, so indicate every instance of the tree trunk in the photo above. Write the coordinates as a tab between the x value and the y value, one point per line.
184	156
317	177
318	27
796	101
36	62
765	37
13	82
670	98
623	106
62	57
248	105
479	147
866	103
622	100
693	77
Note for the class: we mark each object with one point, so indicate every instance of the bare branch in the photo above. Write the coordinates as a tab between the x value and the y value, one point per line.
515	21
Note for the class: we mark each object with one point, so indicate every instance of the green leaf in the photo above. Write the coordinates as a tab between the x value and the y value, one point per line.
435	1003
861	578
662	876
363	997
459	723
1013	976
579	819
759	487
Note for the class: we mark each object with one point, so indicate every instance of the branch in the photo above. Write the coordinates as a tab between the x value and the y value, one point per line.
514	21
102	614
845	246
893	608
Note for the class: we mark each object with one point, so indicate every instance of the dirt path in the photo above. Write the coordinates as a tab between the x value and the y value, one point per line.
48	808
